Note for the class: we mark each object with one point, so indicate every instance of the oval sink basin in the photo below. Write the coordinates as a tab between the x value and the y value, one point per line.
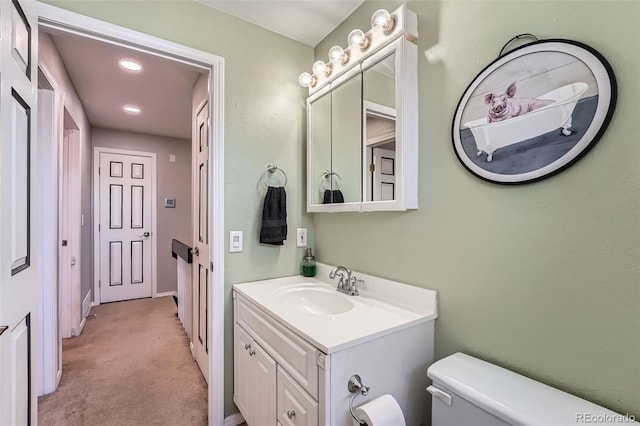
313	300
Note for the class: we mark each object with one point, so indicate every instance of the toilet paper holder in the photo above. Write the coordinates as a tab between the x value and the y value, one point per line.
355	387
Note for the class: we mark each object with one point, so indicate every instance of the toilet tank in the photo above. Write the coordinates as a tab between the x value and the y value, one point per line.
469	391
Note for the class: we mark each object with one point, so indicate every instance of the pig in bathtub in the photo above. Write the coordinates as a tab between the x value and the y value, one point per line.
503	105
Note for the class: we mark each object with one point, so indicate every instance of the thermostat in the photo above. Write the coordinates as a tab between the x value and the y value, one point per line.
170	203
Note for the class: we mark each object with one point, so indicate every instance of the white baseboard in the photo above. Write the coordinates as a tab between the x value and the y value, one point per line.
86	305
80	327
234	420
166	294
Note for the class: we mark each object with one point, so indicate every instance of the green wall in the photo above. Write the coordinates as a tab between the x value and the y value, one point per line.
264	122
541	278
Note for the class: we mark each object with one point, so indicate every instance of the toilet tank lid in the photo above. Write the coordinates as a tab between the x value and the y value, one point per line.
514	398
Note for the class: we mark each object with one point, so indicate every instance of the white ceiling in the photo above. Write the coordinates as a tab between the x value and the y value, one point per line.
308	21
163	89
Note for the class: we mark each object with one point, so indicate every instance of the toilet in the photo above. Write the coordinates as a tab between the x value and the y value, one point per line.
469	391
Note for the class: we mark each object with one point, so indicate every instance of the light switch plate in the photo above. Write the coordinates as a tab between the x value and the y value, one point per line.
301	237
235	241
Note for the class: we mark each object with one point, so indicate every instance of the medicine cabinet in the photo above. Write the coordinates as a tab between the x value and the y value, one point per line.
362	130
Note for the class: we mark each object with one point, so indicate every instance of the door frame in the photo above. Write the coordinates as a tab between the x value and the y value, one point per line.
64	21
71	318
49	332
97	150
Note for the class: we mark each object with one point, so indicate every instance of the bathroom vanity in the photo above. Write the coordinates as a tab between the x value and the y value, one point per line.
297	341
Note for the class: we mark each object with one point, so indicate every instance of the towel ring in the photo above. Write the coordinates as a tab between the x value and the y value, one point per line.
271	169
325	176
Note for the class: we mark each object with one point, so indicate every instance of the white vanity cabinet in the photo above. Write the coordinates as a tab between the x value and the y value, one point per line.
292	367
264	387
255	380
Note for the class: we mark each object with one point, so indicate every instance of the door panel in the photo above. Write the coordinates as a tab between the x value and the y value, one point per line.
125	227
18	275
201	271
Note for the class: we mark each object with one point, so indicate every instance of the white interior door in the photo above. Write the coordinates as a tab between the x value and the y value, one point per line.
18	275
384	174
201	281
125	226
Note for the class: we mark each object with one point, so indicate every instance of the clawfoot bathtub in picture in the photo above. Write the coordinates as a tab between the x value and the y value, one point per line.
538	116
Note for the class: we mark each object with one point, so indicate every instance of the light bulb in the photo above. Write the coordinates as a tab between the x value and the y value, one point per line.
358	38
320	68
382	21
337	55
306	80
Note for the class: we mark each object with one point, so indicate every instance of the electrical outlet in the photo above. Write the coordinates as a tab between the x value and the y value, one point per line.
301	237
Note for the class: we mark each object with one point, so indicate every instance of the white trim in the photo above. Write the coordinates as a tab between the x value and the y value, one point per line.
81	326
234	420
86	305
166	294
49	352
59	19
216	241
97	150
70	282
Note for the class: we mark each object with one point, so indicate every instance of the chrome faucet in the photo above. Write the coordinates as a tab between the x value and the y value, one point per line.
347	282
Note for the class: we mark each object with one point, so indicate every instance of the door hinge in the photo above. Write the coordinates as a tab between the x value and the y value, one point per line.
98	227
211	266
99	284
372	168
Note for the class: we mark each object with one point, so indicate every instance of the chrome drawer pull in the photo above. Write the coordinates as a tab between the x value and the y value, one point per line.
291	414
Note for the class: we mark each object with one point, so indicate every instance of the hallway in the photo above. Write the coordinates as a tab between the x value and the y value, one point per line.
130	366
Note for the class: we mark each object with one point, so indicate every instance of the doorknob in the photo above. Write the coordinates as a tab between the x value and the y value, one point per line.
146	234
196	251
73	261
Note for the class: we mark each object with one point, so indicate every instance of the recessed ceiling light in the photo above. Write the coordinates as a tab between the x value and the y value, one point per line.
132	109
130	65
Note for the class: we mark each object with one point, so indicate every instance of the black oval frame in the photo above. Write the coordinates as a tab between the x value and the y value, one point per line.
514	54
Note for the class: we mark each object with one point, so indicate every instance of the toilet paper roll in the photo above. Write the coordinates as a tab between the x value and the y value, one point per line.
382	411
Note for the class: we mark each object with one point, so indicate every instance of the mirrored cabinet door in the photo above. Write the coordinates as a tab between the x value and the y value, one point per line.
346	134
320	149
379	130
363	136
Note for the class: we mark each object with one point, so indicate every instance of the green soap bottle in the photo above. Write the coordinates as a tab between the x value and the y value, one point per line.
308	264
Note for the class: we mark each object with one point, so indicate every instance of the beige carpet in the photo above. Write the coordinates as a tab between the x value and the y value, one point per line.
130	366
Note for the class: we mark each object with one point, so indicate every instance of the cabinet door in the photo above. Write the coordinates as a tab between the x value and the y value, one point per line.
242	373
263	378
295	406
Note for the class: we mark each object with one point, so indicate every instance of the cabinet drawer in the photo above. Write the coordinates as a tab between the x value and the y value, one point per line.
295	406
290	351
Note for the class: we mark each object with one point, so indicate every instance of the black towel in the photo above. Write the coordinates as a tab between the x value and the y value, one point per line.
332	196
274	217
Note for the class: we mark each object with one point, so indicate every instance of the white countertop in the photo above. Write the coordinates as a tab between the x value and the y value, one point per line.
383	307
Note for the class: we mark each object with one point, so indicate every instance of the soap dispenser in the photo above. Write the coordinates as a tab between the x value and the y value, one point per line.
309	264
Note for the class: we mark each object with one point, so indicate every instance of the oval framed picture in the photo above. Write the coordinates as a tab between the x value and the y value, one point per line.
534	111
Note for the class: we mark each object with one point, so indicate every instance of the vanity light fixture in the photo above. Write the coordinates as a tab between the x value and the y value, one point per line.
306	80
337	55
321	69
130	65
132	109
358	38
382	21
385	28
